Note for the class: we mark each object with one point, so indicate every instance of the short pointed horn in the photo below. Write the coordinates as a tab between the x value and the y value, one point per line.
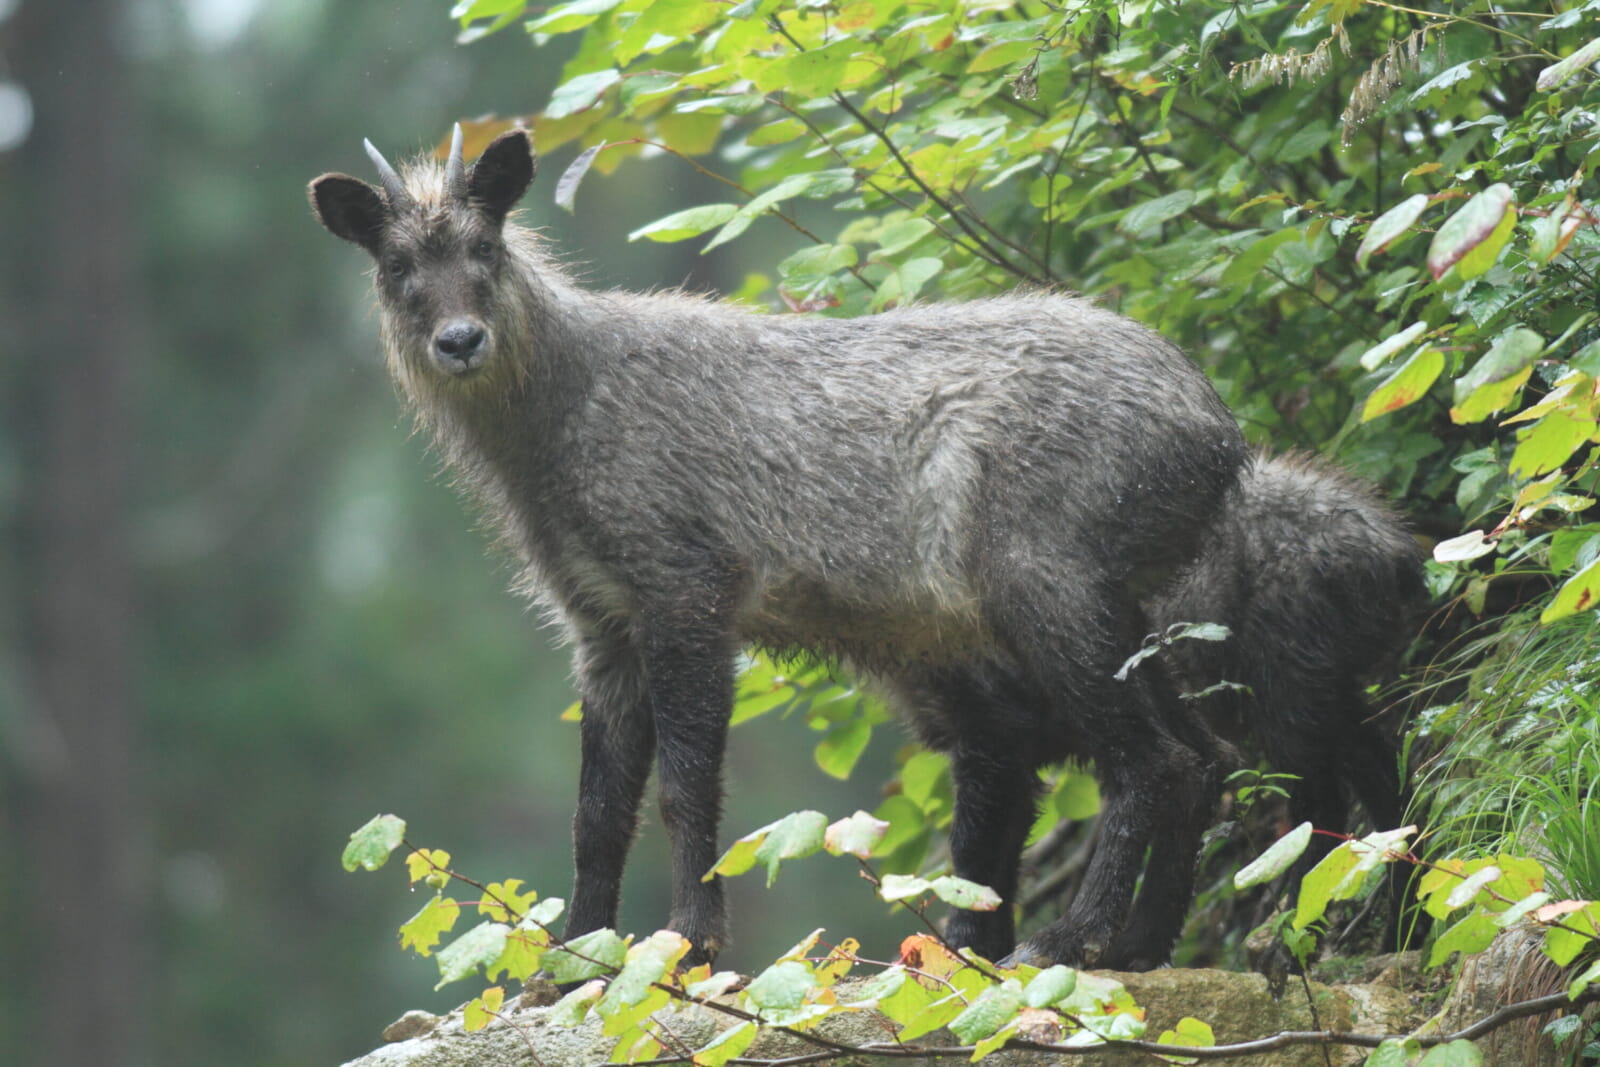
393	187
455	168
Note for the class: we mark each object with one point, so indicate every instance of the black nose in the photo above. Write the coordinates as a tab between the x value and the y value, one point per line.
458	344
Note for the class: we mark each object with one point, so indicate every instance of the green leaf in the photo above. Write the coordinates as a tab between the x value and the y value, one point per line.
895	887
646	963
907	1000
599	952
499	896
839	750
1452	1054
931	1018
370	846
580	93
1480	228
543	913
1379	353
1326	882
567	186
995	1041
571	1009
1408	384
691	222
1489	398
964	894
523	952
1555	75
1395	1052
727	1045
1550	442
810	267
1589	976
994	1007
907	281
478	947
1388	227
923	776
811	74
1464	893
1152	213
564	18
791	837
857	835
1519	911
1049	986
1190	1033
1469	935
1276	859
1575	934
1443	80
781	987
423	930
1247	264
481	1010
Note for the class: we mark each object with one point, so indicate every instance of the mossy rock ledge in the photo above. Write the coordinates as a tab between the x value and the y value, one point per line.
1239	1007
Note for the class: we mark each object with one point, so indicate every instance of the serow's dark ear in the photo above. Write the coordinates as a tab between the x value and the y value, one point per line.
349	208
502	174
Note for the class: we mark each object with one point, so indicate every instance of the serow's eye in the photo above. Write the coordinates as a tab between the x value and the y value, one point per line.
484	249
396	267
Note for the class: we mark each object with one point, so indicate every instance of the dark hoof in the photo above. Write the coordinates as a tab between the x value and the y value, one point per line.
1025	955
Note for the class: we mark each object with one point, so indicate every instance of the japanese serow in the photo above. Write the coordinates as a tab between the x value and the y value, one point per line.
969	504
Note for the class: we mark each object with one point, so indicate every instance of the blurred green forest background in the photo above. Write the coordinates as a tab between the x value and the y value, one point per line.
242	612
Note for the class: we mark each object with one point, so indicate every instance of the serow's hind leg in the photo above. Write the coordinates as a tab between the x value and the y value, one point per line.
1158	790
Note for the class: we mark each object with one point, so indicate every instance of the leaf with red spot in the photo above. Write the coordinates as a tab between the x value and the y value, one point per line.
1406	385
1581	593
1474	235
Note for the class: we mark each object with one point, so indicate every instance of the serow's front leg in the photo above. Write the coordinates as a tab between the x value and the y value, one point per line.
619	746
691	697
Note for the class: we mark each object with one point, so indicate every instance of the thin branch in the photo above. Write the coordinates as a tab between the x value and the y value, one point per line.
986	251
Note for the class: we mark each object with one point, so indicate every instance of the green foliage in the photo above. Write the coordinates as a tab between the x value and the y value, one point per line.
634	986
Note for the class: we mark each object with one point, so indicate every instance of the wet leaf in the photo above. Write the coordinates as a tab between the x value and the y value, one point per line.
964	894
478	947
691	222
370	846
423	930
1408	384
994	1006
1579	593
1378	354
567	186
481	1010
791	837
727	1045
580	93
1468	546
1276	859
647	962
1555	75
781	987
1480	227
599	952
857	835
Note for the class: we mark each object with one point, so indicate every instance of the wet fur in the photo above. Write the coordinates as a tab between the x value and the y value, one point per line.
972	505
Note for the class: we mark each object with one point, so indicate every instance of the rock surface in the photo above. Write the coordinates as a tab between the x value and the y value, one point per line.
1239	1007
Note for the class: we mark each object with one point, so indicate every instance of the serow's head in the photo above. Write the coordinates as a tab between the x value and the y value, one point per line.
436	235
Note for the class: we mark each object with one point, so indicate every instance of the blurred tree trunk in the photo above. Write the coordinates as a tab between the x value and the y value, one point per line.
81	815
